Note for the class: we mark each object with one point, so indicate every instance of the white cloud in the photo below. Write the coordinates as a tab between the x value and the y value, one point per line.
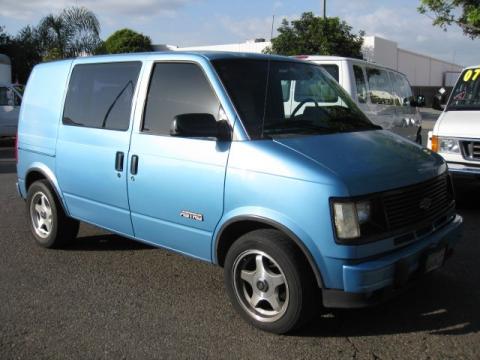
32	9
252	27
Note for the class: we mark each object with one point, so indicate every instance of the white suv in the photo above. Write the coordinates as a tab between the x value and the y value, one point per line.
456	135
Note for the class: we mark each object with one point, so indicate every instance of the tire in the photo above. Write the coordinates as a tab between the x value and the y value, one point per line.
48	223
264	267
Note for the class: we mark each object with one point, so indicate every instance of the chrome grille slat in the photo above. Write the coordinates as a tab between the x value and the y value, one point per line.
471	149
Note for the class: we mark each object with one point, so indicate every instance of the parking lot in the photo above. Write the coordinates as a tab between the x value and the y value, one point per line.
105	296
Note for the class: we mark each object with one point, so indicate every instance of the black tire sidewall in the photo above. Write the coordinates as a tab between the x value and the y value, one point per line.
43	187
274	244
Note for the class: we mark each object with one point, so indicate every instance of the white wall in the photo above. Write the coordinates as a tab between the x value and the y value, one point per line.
249	46
421	70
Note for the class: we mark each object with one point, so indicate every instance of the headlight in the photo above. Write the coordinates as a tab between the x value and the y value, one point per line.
358	221
447	145
348	216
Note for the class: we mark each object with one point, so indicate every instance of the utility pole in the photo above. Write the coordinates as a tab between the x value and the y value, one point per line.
324	9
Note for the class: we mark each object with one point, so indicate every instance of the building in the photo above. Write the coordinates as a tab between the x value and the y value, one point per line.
425	73
5	69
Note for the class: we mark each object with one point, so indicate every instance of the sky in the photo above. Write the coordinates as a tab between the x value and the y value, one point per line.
210	22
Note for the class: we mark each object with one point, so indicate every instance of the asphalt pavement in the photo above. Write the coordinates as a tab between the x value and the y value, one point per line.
108	297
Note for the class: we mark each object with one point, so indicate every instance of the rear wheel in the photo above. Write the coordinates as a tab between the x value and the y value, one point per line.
49	224
269	282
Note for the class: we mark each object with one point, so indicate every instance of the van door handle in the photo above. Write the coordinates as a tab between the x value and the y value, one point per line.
119	161
134	165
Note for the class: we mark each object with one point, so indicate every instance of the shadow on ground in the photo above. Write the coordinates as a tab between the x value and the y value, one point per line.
442	303
107	242
437	304
467	192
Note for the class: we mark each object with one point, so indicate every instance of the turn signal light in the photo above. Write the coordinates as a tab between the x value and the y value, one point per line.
434	143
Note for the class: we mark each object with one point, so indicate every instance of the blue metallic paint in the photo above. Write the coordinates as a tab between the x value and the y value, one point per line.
288	181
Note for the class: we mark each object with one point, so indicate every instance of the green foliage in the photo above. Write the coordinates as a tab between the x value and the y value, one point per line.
464	13
73	32
4	37
23	50
314	35
126	41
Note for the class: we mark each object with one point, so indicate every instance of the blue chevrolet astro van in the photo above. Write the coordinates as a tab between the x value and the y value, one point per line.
198	153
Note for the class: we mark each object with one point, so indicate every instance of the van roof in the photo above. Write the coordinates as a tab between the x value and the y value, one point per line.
342	58
210	55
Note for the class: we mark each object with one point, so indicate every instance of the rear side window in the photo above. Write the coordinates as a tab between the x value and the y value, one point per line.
360	84
402	88
332	70
175	89
380	87
100	95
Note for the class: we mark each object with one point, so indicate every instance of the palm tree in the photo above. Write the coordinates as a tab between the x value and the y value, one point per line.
74	32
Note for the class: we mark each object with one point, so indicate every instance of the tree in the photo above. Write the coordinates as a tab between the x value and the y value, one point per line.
74	32
315	35
464	13
4	37
27	54
23	50
127	41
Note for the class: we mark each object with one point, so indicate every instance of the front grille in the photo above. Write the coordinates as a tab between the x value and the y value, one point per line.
420	203
471	149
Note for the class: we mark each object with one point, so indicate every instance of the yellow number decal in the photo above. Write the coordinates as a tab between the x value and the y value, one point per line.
477	73
467	75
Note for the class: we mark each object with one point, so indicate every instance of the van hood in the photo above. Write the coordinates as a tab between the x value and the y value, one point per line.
369	161
456	123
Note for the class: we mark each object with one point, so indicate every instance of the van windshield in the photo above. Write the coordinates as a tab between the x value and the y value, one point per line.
466	95
300	99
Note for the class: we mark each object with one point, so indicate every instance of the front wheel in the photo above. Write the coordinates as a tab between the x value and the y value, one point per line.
49	224
269	282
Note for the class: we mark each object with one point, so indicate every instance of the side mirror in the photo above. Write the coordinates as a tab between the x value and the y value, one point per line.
200	125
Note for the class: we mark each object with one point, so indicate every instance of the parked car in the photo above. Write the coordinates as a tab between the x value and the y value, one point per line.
10	101
193	152
384	94
456	134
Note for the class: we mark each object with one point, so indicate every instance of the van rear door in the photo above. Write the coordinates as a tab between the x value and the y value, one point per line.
93	143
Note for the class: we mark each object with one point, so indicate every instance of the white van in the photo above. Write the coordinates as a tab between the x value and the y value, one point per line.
456	135
10	101
383	94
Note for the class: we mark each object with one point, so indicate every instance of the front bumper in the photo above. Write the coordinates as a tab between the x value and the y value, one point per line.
373	281
464	170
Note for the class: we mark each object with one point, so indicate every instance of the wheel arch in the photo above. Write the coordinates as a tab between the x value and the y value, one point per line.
237	226
43	173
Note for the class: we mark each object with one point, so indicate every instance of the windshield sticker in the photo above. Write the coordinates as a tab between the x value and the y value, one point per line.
471	74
